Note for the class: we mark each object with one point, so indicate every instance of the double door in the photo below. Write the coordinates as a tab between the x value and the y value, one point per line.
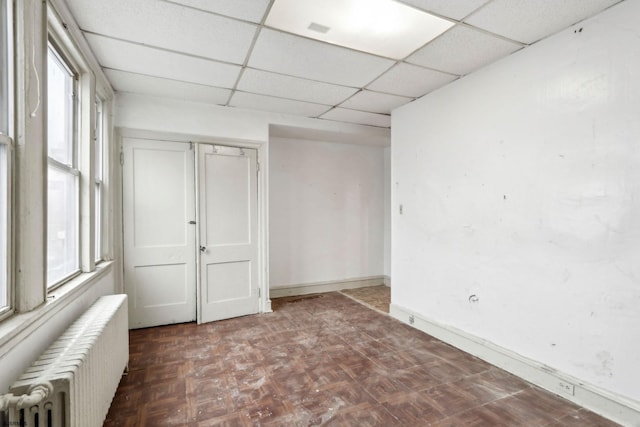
190	231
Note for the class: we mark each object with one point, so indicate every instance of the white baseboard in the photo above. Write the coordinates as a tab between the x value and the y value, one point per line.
266	308
319	287
607	404
387	281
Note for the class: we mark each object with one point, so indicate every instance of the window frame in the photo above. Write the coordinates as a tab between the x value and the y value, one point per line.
98	179
33	24
90	85
57	47
6	141
6	227
6	60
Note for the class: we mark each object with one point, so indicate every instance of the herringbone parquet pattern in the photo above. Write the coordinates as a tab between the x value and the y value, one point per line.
321	360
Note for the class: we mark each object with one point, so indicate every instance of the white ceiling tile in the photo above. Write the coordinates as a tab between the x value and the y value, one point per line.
313	60
266	83
462	50
140	59
136	83
167	25
529	21
159	47
375	102
358	117
248	10
410	80
253	101
456	9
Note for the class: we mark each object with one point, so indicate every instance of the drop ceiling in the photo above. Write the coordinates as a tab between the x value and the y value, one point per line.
223	52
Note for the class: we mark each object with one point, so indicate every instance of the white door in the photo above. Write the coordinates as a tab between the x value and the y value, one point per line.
159	232
228	201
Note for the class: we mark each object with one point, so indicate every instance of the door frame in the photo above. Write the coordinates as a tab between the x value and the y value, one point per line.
263	200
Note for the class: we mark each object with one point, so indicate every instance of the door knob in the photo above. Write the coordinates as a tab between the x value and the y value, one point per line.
203	249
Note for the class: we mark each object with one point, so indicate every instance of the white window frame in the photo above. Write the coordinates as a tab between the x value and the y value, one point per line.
33	304
72	168
86	94
98	195
6	12
5	229
6	141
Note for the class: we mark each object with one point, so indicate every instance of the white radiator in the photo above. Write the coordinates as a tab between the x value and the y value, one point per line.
74	380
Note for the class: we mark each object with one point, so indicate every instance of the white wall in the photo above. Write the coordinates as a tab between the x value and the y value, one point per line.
326	210
345	143
521	185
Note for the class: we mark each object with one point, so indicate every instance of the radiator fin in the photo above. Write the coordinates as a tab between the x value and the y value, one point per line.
84	366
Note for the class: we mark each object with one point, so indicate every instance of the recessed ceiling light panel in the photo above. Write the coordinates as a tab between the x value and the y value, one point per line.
382	27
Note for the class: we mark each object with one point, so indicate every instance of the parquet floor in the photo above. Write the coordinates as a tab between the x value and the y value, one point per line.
321	360
377	297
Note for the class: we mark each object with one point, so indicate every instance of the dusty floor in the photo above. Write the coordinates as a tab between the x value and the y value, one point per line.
377	297
322	360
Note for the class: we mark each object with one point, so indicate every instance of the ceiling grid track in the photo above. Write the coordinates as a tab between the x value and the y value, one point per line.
234	53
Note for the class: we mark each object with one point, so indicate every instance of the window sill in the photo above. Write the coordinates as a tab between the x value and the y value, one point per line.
18	327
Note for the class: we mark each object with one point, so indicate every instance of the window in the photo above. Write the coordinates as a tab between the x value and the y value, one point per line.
98	153
63	91
6	106
63	174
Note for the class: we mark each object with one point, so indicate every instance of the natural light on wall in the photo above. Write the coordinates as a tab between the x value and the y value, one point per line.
382	27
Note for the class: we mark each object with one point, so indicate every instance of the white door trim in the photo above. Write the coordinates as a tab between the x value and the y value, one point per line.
263	195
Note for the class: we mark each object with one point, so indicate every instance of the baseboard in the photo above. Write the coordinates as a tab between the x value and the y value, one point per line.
617	408
319	287
266	308
387	281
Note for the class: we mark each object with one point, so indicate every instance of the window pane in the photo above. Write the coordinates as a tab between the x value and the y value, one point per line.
98	208
62	223
60	110
99	139
4	69
98	153
4	204
63	183
5	106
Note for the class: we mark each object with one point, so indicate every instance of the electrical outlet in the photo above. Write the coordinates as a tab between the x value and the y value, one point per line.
566	388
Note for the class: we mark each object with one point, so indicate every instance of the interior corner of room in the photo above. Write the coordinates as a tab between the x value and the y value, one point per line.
498	199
